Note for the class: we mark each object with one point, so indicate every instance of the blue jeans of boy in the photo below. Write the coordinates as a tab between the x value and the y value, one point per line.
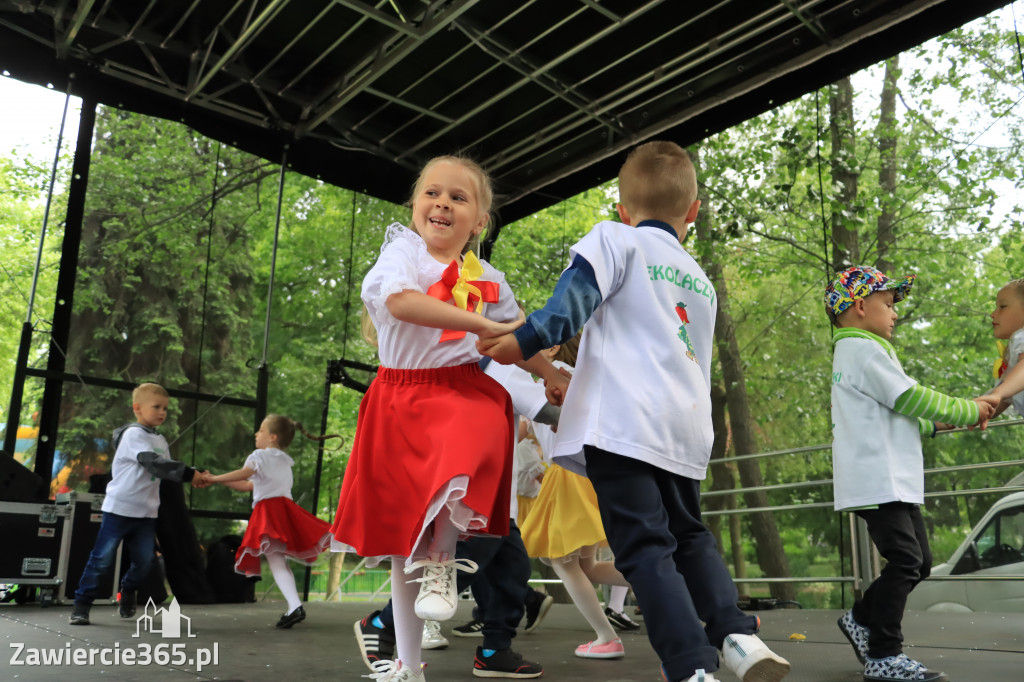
653	522
138	536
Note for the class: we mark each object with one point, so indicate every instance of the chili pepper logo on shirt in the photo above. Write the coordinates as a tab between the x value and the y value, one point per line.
681	312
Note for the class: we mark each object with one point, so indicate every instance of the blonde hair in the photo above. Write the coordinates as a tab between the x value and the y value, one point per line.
1016	286
143	390
658	179
284	428
484	192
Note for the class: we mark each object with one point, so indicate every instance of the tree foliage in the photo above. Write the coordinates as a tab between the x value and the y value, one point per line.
911	164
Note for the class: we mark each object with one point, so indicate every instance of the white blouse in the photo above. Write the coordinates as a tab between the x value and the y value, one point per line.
405	263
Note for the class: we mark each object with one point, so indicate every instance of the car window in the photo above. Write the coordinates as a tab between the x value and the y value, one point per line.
1001	542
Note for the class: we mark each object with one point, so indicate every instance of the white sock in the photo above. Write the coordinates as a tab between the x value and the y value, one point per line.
617	598
583	595
285	579
408	628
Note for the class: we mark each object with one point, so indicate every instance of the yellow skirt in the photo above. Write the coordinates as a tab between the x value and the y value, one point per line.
525	505
564	518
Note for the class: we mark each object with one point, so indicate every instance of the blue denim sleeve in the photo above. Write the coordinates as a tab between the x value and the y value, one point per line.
575	299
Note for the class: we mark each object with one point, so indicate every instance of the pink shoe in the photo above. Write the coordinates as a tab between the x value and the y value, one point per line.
612	649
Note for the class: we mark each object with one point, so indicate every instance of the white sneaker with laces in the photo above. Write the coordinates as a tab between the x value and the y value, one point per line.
438	596
394	671
751	660
432	637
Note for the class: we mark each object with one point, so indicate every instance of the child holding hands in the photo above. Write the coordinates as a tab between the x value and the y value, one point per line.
1008	325
879	415
278	528
636	417
141	459
432	455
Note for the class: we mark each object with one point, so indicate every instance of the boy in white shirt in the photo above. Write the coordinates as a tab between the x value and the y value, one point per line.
636	417
879	415
132	500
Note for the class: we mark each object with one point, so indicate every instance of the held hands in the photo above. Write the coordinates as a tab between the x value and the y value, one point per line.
987	405
491	329
201	479
503	349
556	386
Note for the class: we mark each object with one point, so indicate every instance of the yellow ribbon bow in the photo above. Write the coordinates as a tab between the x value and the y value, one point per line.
464	288
463	291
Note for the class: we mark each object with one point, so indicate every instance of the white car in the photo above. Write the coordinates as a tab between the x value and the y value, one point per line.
994	547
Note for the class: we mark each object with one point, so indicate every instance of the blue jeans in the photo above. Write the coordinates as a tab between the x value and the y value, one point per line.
138	535
653	522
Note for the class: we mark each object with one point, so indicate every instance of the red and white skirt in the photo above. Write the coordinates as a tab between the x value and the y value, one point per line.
279	525
425	439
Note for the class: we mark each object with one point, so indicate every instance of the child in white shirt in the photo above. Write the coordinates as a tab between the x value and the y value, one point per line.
879	415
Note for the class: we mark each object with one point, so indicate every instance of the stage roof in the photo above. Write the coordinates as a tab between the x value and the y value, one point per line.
547	94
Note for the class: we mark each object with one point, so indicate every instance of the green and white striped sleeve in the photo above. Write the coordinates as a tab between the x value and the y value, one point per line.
932	406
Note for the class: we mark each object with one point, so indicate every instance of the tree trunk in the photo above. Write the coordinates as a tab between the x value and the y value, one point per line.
771	555
845	249
886	134
724	478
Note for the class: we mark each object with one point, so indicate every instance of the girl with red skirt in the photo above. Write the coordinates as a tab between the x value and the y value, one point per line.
432	455
278	528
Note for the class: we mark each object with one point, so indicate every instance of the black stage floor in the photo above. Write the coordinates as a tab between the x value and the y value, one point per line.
969	647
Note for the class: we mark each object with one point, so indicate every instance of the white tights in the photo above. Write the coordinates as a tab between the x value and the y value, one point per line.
579	574
285	579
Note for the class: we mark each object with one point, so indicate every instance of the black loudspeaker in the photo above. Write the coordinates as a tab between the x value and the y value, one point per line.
19	484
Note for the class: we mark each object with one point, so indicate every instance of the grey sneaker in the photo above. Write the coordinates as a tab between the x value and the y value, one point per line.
898	668
857	634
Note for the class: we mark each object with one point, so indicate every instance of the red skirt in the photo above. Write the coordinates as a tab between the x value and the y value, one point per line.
418	430
278	524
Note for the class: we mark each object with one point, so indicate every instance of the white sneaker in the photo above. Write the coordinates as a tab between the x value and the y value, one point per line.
701	676
432	637
394	671
438	596
751	660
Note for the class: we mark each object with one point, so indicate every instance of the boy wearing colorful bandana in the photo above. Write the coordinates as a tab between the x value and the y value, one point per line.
878	417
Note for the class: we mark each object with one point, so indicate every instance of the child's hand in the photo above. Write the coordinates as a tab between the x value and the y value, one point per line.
201	479
556	386
491	329
504	349
987	405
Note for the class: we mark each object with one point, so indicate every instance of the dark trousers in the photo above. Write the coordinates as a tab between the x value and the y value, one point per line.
897	529
653	523
138	535
505	568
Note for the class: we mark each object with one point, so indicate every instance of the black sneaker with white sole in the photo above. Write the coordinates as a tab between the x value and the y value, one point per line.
375	644
537	606
506	664
620	620
474	628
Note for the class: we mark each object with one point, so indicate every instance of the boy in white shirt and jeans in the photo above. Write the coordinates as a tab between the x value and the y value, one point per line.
636	418
132	501
879	415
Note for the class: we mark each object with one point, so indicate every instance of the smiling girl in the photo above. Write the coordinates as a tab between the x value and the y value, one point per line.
432	455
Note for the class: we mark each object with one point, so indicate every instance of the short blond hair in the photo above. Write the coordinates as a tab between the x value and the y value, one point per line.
658	179
143	390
